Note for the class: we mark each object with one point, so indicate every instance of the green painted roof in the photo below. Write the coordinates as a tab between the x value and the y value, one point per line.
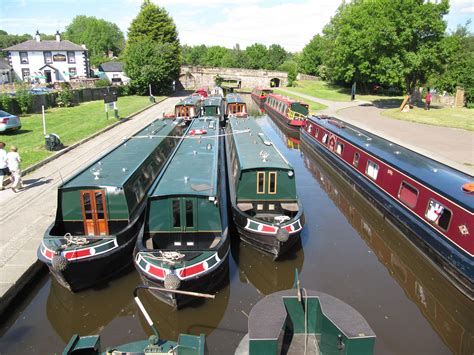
251	145
118	165
193	168
190	100
234	98
213	101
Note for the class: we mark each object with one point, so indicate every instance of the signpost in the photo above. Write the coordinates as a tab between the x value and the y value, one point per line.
110	99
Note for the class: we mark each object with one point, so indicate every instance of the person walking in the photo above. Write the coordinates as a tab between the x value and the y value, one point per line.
3	164
13	162
428	100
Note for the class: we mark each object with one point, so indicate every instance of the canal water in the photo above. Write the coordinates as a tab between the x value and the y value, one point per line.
347	250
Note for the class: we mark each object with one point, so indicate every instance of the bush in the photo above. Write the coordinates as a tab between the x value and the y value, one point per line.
5	102
24	99
125	90
64	97
102	83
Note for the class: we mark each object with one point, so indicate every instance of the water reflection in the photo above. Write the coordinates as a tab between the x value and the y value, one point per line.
450	313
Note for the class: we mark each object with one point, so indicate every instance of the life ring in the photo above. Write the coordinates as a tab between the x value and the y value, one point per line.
197	132
168	115
469	187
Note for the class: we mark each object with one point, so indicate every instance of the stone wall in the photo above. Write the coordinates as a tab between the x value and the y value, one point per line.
307	77
192	77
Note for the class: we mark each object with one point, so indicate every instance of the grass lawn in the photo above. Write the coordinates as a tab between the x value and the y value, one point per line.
446	116
313	105
71	124
324	90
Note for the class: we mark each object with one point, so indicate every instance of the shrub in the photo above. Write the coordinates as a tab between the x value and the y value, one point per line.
64	97
102	83
24	99
5	102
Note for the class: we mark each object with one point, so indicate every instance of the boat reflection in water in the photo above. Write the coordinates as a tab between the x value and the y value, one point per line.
290	137
265	274
112	313
449	312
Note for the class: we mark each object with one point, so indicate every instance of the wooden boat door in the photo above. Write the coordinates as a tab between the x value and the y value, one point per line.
94	212
184	216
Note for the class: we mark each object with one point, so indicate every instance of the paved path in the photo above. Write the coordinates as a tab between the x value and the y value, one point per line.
26	215
450	146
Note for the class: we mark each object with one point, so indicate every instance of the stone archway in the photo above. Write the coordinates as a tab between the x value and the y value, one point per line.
275	83
188	81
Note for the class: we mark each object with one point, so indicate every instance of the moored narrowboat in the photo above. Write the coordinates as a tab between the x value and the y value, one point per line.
188	108
100	210
214	106
422	197
265	205
235	106
290	112
301	321
259	95
185	244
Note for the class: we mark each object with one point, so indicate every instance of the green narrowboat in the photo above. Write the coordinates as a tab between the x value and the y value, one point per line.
186	345
301	321
100	210
185	243
235	106
265	205
259	95
291	113
214	106
188	108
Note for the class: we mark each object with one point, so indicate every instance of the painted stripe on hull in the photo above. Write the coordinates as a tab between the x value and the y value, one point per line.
258	227
81	253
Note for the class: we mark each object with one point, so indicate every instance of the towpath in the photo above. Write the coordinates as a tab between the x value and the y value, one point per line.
26	215
450	146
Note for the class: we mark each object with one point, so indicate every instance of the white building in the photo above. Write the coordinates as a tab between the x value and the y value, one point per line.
113	72
48	61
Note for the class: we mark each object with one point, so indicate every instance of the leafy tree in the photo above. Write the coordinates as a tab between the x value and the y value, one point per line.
276	55
291	67
7	40
312	56
193	55
148	62
24	98
257	56
396	43
214	56
98	35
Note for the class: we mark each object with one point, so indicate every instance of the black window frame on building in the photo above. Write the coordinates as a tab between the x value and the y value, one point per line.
71	57
50	57
24	58
23	76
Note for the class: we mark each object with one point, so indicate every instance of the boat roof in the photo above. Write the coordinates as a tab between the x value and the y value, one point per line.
250	145
286	99
193	168
258	88
189	100
213	101
118	165
441	178
233	98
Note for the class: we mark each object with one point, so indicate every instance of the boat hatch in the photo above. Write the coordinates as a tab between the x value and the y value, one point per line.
94	212
293	206
184	214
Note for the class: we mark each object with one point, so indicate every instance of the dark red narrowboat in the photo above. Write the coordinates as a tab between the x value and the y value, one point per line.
429	201
292	113
259	95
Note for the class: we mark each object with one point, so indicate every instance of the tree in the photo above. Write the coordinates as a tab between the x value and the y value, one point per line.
396	43
151	63
214	56
193	55
312	56
7	40
291	67
256	56
98	35
276	55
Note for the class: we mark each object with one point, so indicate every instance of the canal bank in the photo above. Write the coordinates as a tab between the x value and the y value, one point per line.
26	215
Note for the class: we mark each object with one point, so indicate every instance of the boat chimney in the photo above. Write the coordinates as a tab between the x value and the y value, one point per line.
37	36
58	36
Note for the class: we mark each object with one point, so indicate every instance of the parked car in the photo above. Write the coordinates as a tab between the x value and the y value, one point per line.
9	122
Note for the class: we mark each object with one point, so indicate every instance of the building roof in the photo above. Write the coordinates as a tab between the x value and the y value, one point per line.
117	166
252	146
111	67
4	65
193	168
33	45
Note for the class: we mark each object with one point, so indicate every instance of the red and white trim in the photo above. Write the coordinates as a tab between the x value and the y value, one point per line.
271	229
81	253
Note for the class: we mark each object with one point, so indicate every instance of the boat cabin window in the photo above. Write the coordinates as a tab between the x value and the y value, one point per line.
339	148
438	214
372	170
310	129
408	194
272	182
325	138
176	214
189	213
260	182
355	161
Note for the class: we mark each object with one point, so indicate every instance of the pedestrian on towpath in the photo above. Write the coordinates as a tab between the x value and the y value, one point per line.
3	164
428	100
13	162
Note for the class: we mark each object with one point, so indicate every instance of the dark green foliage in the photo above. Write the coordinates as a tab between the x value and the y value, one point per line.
193	55
102	83
148	62
24	98
214	56
5	102
257	56
7	40
64	98
276	55
291	67
98	35
312	56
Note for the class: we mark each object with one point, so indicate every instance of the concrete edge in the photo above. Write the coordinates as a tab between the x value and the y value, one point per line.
77	144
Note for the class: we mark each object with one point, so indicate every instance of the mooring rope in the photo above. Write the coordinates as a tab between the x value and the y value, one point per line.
166	256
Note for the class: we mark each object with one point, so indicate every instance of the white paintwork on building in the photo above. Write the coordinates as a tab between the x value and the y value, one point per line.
115	75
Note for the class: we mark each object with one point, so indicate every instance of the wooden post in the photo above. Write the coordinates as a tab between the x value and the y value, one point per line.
44	120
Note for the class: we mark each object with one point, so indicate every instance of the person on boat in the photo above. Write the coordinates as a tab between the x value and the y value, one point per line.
13	162
3	164
428	100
